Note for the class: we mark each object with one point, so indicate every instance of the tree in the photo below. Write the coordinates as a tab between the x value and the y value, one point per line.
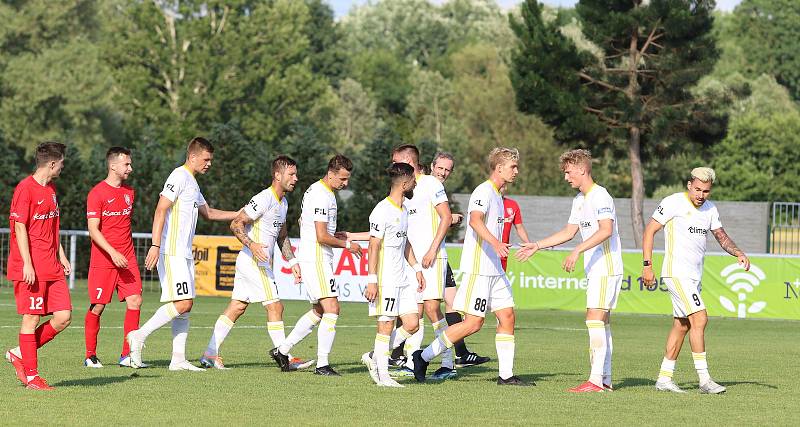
357	120
635	95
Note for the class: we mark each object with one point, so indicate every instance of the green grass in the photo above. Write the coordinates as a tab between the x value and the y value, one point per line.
757	360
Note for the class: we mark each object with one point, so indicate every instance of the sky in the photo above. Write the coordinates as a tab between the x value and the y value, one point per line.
340	7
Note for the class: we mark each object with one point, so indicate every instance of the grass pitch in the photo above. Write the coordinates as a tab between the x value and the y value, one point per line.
755	359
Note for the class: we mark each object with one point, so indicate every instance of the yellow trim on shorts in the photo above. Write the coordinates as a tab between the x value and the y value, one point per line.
607	256
379	297
685	300
263	276
320	272
172	237
169	278
603	289
439	278
670	246
470	287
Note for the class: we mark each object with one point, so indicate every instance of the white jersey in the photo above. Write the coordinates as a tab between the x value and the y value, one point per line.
478	256
588	209
268	213
685	233
182	190
423	220
389	222
319	205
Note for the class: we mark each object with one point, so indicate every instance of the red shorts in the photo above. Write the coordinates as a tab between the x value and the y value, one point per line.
103	281
42	298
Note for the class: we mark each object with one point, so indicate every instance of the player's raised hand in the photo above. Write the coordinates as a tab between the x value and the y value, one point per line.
744	261
118	259
421	281
298	276
258	251
570	261
355	249
648	277
429	258
371	292
28	274
151	259
501	249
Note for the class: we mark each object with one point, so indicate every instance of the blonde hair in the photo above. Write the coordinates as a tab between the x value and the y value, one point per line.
704	174
501	155
577	157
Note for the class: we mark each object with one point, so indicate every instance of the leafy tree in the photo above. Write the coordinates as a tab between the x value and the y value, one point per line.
357	118
635	98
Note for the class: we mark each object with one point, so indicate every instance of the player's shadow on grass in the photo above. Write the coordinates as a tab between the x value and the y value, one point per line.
536	378
97	381
735	383
634	382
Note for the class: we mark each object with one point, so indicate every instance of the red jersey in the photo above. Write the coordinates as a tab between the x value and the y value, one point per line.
512	216
36	206
114	207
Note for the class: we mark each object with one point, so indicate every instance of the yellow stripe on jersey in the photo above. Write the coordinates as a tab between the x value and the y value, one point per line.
379	297
607	257
670	246
172	224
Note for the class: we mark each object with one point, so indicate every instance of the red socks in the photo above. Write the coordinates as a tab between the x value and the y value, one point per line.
44	334
131	324
91	327
27	347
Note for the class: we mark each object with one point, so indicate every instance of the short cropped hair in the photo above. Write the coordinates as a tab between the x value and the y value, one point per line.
501	155
410	148
577	157
339	162
116	151
49	151
281	163
398	171
199	144
442	155
704	174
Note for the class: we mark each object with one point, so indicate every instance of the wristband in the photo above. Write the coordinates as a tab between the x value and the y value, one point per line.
372	278
417	268
292	262
155	246
347	244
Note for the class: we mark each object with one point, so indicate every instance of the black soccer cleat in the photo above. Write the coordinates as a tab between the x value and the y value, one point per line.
514	380
282	360
470	359
326	371
420	366
398	362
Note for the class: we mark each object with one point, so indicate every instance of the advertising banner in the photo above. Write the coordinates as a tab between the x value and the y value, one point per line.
771	289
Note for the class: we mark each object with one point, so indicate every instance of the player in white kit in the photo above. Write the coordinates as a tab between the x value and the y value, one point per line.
687	218
429	219
391	293
484	285
594	215
260	226
318	237
174	224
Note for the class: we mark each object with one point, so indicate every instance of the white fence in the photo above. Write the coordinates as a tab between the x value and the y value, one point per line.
77	245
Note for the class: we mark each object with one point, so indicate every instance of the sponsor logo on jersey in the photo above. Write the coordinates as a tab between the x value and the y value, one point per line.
277	224
479	203
412	211
586	224
603	210
318	211
127	200
124	212
49	215
401	234
698	230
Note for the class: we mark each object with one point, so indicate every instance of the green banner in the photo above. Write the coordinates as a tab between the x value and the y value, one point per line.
771	289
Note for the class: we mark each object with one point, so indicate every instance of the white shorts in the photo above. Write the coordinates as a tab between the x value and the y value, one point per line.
253	283
176	275
318	280
478	294
394	301
434	280
602	292
685	295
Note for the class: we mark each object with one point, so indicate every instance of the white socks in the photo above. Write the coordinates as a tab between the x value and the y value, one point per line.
504	343
667	369
437	347
701	365
161	317
398	337
598	349
301	330
381	355
325	337
447	355
180	330
609	350
276	332
221	329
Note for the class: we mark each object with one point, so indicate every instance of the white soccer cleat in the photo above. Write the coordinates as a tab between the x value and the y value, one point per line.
136	344
373	369
92	362
184	365
126	362
17	352
212	362
389	382
710	387
668	386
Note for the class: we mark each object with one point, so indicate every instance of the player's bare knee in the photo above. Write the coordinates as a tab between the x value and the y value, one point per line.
330	306
97	308
61	320
133	302
433	310
275	308
183	306
473	324
410	323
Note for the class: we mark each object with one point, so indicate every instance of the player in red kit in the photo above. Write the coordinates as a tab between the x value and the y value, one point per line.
113	261
37	264
512	215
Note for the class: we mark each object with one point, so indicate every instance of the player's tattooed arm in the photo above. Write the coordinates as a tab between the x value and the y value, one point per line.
726	242
237	227
284	243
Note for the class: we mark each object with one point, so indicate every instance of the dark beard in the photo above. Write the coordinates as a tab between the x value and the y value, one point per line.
409	194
